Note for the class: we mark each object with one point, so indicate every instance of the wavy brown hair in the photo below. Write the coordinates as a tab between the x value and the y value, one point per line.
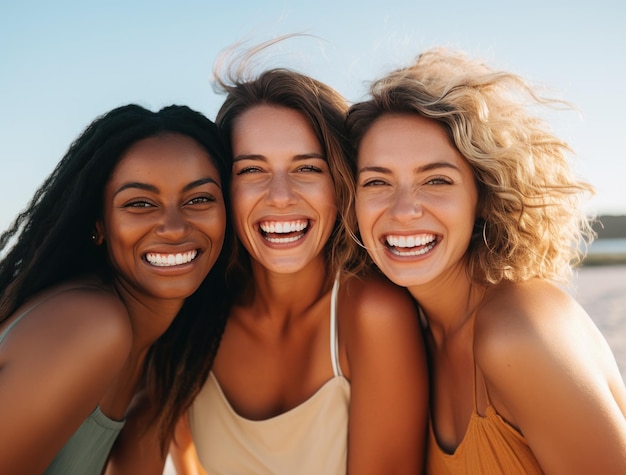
324	109
531	219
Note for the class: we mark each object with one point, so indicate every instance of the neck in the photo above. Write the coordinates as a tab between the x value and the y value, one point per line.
448	304
289	294
150	317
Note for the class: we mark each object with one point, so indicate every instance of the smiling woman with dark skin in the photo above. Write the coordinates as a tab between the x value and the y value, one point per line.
99	293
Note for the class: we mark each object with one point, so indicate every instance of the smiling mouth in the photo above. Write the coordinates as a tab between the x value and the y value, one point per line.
409	246
283	232
169	260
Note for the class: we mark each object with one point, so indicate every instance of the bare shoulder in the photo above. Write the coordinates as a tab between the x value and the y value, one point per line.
56	363
374	296
377	317
89	318
514	315
549	372
385	360
537	331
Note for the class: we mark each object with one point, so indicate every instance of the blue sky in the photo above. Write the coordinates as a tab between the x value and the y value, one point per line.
63	63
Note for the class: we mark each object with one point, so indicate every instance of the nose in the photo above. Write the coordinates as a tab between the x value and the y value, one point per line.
406	205
281	191
173	225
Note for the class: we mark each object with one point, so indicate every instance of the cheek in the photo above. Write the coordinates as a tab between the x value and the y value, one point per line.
247	189
329	201
239	220
365	228
364	212
117	231
118	254
321	193
214	225
464	208
238	205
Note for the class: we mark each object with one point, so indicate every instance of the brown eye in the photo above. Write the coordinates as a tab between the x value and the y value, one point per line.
201	200
138	204
440	180
310	168
374	182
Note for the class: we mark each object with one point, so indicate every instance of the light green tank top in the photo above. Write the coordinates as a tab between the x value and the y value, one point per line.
87	450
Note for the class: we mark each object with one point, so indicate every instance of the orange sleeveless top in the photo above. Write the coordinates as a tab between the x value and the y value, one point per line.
490	446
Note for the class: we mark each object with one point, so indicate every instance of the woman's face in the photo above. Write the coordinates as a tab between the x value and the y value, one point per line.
416	199
164	217
283	198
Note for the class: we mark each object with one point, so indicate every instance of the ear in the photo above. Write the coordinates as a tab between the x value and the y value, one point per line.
98	233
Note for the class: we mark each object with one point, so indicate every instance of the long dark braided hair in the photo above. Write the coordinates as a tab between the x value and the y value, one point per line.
50	242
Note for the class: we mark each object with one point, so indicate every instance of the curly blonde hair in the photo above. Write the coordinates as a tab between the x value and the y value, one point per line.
531	219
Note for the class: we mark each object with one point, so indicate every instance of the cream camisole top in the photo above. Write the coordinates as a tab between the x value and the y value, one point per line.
310	439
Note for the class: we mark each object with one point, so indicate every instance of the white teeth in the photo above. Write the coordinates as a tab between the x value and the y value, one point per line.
410	241
415	245
166	260
283	227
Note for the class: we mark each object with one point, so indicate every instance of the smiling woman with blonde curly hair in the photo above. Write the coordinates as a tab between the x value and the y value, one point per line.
467	199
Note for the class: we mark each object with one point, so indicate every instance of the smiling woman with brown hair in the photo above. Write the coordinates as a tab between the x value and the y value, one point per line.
321	369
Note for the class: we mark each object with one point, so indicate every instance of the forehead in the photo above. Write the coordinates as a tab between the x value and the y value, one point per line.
275	126
404	138
166	156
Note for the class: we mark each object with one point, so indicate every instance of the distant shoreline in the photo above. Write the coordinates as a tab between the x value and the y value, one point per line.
610	226
610	244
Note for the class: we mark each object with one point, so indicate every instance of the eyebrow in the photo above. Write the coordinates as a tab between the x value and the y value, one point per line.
422	169
263	158
153	189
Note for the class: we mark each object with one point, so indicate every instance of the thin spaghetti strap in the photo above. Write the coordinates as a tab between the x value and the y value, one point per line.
484	385
474	398
12	324
334	340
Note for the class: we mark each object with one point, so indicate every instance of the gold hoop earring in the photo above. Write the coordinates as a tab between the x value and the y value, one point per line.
484	226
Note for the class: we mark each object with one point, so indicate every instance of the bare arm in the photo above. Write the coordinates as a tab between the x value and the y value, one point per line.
138	447
552	375
183	450
388	377
55	365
